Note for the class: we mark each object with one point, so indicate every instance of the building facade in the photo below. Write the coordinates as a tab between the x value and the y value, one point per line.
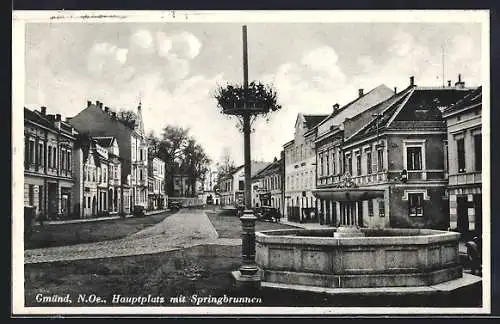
464	163
98	121
267	186
48	171
300	169
156	176
391	169
114	185
232	187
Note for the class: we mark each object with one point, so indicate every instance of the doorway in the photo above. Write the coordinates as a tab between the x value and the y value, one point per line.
462	216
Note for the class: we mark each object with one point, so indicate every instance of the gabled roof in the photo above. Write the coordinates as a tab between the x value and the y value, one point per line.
104	141
36	117
474	98
418	106
269	169
354	108
312	120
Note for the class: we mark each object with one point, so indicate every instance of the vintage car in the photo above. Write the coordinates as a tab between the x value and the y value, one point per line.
268	213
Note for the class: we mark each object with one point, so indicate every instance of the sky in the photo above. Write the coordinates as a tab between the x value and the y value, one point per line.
174	69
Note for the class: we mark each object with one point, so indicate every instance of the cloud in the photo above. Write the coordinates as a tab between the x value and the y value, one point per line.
185	45
141	40
105	56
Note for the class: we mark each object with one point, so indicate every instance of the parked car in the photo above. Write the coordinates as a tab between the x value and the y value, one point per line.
174	205
267	213
139	211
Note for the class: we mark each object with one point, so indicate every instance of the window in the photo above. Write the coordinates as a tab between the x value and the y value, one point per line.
445	145
349	164
368	162
327	164
140	152
370	208
40	154
140	173
321	165
415	204
461	154
88	202
93	175
414	158
334	167
32	152
380	160
478	151
63	159
68	160
54	157
241	185
381	208
358	164
49	157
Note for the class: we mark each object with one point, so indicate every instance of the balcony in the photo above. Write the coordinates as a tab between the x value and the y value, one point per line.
466	178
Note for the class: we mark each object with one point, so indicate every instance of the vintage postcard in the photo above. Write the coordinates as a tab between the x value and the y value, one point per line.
251	162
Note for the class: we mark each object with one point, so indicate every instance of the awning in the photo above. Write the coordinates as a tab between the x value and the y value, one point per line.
348	194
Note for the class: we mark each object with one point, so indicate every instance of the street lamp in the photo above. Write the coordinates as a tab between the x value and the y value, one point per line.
247	102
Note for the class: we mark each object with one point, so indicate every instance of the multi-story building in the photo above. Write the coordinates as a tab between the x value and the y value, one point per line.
232	186
157	186
330	136
114	185
464	163
392	165
267	186
97	121
48	178
300	169
85	163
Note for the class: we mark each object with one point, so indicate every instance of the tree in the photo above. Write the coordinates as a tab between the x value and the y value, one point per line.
195	162
127	117
226	165
181	154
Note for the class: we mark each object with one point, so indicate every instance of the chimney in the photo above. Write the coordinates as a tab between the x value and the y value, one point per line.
43	110
360	92
412	81
89	103
449	83
100	105
395	90
336	107
460	83
58	117
106	109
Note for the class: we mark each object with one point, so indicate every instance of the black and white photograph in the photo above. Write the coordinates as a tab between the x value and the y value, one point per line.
251	162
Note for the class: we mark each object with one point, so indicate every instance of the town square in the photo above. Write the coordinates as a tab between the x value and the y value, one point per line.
249	163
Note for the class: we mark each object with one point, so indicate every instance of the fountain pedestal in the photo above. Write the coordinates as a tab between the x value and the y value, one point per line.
348	231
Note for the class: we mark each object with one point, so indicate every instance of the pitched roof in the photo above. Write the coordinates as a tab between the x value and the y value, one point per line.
269	169
474	98
104	141
36	117
355	108
313	120
414	105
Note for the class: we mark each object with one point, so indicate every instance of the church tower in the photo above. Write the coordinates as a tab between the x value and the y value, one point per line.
139	124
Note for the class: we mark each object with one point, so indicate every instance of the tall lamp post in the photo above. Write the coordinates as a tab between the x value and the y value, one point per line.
247	102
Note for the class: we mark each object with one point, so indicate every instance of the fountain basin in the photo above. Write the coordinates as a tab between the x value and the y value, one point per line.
381	258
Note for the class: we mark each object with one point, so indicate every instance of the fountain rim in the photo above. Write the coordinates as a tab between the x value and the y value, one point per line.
288	236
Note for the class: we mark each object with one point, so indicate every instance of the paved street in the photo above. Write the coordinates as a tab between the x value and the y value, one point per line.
188	227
